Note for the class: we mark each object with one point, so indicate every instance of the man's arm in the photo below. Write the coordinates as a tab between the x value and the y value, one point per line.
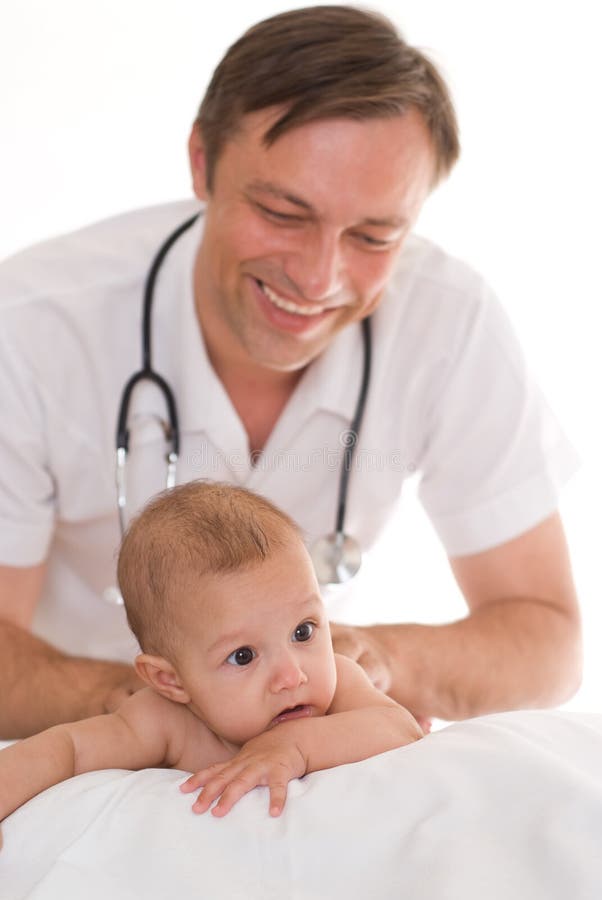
43	686
520	646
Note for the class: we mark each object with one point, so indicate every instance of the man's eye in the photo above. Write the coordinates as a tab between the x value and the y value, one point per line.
304	631
241	657
278	216
373	242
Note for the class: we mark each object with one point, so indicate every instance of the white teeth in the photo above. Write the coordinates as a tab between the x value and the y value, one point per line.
288	305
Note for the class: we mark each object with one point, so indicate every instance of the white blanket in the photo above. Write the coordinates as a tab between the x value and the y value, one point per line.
504	806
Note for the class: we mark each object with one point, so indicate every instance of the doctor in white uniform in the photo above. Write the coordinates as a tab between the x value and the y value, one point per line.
256	328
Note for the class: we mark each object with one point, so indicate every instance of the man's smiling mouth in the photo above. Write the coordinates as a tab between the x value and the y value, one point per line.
288	305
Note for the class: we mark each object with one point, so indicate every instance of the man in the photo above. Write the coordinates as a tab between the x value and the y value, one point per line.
319	139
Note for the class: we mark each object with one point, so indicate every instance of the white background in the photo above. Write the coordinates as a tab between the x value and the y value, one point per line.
97	100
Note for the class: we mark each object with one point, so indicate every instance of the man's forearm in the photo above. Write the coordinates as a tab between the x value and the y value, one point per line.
511	654
43	687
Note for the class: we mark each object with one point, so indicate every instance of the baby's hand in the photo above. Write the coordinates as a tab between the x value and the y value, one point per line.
270	758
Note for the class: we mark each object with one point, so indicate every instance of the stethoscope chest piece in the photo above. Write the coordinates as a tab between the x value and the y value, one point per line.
336	558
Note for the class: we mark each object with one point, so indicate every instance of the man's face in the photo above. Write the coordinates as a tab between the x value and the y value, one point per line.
258	647
301	237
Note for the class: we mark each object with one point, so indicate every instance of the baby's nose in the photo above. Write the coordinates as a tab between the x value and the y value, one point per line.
287	674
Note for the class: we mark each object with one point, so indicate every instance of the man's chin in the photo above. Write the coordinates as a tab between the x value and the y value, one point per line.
288	359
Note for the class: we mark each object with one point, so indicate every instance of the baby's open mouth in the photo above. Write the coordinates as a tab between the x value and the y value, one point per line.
293	712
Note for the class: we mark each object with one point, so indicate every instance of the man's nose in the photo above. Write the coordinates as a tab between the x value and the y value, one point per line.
287	673
318	268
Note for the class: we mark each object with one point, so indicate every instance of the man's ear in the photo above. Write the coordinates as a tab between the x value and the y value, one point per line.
198	162
159	674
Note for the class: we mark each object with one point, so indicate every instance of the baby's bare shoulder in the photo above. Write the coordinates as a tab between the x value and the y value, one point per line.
153	717
354	689
191	745
146	706
349	671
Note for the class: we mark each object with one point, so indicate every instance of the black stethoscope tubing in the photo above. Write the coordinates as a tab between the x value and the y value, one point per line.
336	543
350	438
147	373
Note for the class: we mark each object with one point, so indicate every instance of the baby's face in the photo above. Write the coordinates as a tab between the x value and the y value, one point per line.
258	648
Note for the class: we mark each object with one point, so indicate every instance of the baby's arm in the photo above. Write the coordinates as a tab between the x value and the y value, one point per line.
376	722
361	722
136	736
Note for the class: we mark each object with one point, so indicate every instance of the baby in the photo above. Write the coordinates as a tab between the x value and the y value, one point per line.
244	688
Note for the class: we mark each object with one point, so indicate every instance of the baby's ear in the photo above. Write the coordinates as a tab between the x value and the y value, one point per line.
159	674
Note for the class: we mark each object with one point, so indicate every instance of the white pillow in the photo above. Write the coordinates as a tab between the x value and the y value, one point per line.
504	806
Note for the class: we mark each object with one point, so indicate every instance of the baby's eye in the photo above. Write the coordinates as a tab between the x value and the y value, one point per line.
241	657
304	631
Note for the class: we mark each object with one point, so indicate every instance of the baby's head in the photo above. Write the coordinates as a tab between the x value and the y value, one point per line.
221	594
185	538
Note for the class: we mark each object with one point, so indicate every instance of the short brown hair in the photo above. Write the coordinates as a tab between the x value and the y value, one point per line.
197	529
323	62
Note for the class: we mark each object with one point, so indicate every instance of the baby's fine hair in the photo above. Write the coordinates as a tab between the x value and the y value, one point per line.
183	535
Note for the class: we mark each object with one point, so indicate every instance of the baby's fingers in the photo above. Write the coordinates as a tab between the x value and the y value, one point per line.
244	783
277	797
201	777
214	787
237	788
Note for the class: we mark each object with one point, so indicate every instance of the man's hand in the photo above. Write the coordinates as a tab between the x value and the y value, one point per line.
103	686
363	645
518	648
120	683
270	758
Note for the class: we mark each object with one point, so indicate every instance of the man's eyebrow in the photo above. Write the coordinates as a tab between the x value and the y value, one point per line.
268	187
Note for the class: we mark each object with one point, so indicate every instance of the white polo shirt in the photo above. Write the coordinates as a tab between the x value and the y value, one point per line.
450	402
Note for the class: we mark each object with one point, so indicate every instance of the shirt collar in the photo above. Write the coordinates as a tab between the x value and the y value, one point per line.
332	381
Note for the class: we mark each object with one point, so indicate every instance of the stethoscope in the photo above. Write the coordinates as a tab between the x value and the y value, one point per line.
337	556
